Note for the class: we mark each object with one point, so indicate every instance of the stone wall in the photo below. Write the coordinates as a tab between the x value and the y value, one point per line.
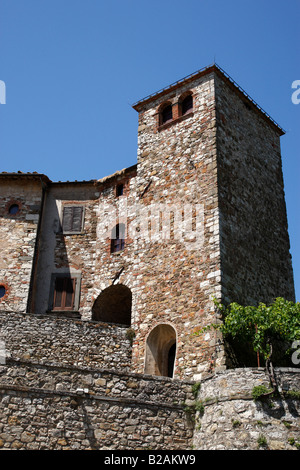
66	407
68	384
177	275
18	232
85	254
231	419
54	340
53	408
205	217
255	257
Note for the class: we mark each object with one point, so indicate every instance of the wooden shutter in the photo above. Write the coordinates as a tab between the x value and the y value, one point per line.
72	218
58	293
77	219
64	293
69	293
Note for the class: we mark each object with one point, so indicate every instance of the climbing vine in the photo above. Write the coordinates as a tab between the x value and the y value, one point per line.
260	325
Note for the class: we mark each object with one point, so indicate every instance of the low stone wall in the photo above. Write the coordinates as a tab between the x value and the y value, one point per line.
67	384
53	408
231	419
52	339
90	381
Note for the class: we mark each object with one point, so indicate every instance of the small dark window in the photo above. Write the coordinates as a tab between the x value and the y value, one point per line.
64	293
120	189
187	105
118	238
2	291
14	209
166	114
72	219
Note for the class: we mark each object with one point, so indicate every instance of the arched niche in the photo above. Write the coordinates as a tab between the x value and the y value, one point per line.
113	305
186	103
161	351
165	113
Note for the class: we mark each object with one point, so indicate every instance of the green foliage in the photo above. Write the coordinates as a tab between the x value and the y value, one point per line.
293	394
262	324
292	442
130	335
236	423
195	388
199	407
262	441
258	391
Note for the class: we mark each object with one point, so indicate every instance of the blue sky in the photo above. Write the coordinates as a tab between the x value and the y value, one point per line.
73	69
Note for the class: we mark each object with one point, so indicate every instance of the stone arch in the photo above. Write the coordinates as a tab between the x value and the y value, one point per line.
113	305
186	103
165	113
161	351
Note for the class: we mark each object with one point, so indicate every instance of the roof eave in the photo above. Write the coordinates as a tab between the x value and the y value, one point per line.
139	105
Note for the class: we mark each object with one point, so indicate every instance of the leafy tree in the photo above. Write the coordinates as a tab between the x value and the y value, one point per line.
261	326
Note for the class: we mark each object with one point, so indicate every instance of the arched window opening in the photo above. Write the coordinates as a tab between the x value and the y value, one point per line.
161	351
117	238
2	291
166	114
14	209
113	305
187	105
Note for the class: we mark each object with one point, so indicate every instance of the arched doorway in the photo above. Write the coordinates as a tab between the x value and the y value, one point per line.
161	351
113	305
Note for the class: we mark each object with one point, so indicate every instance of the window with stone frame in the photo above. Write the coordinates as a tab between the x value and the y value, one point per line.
165	114
65	291
72	219
187	105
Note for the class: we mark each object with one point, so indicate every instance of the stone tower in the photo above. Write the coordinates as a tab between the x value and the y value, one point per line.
204	145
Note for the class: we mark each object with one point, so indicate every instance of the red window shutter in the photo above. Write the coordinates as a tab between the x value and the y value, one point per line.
58	293
69	293
64	293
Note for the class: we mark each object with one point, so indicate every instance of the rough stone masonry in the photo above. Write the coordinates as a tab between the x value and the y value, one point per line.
201	215
118	273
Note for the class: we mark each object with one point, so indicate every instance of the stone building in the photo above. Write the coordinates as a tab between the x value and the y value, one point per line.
201	214
104	282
